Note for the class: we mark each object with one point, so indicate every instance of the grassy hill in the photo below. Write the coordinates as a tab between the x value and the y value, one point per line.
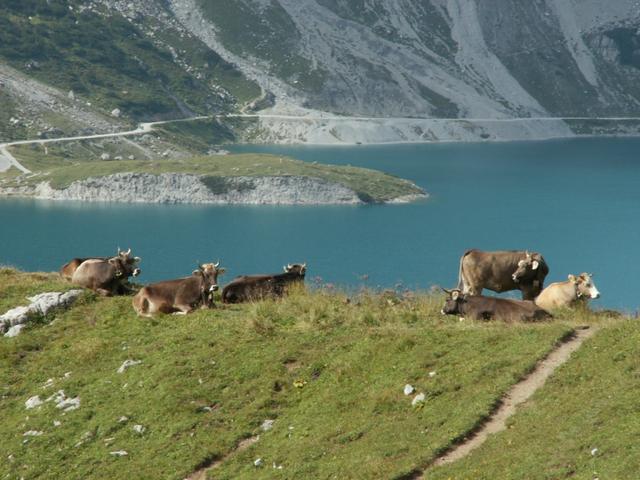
330	372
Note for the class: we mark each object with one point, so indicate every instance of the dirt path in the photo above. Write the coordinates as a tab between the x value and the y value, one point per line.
517	395
201	474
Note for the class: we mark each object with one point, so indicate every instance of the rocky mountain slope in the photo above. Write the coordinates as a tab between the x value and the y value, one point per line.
390	59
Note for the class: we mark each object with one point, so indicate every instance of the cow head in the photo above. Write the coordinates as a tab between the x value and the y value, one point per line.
209	272
528	268
129	263
452	304
585	287
297	268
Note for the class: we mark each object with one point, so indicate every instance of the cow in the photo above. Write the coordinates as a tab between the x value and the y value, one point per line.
502	271
69	268
247	288
478	307
179	296
576	290
107	277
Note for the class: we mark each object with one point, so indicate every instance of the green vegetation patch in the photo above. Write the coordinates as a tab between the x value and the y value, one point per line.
329	372
102	56
584	422
370	185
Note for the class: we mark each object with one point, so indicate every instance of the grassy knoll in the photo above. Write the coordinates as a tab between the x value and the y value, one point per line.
371	185
589	403
210	379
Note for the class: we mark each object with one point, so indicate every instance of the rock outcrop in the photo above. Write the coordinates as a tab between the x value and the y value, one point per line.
171	188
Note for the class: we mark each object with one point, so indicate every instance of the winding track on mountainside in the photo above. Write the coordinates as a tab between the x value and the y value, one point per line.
515	396
7	160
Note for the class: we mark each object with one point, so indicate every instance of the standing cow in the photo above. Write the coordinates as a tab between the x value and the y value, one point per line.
478	307
256	287
502	271
576	289
107	277
180	296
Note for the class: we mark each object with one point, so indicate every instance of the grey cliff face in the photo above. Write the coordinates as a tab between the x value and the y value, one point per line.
173	188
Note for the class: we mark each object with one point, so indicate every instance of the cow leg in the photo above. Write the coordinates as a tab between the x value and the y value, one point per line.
183	309
104	292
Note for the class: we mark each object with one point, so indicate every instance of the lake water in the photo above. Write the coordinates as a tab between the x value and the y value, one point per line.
575	201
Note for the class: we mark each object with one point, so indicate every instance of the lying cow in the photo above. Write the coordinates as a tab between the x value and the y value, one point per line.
69	268
107	277
257	287
478	307
179	296
567	294
502	271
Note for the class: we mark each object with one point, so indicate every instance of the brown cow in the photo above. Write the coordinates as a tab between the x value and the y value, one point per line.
257	287
502	271
567	294
69	268
107	277
182	295
478	307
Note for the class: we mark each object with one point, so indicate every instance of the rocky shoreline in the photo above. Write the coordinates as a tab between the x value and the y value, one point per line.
175	188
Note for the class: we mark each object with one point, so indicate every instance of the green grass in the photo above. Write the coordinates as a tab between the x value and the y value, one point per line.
590	402
370	185
350	419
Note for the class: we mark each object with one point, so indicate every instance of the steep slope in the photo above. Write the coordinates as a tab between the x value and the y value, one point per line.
134	63
440	58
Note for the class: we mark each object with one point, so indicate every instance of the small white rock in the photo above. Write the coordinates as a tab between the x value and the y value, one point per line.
32	433
267	425
258	462
33	402
418	399
139	429
123	419
67	374
115	112
57	423
432	374
48	383
594	452
409	389
119	453
128	363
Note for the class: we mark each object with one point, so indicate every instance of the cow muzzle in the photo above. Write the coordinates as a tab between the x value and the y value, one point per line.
214	288
136	272
514	277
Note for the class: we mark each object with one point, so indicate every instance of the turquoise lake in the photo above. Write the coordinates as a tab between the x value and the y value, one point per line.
575	201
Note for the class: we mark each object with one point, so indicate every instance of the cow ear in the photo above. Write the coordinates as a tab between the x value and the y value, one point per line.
197	271
572	278
535	265
285	268
221	271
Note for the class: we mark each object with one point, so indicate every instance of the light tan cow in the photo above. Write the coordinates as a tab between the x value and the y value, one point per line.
567	294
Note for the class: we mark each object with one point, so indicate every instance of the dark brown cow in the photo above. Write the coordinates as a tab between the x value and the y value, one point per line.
502	271
69	268
257	287
180	296
478	307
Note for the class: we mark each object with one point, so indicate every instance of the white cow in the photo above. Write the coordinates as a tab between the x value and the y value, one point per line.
566	294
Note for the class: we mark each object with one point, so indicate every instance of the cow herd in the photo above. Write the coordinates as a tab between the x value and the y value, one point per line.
513	270
110	276
497	271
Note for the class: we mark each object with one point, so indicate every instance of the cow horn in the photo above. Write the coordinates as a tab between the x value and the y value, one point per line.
118	249
289	266
216	265
448	292
304	265
129	251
